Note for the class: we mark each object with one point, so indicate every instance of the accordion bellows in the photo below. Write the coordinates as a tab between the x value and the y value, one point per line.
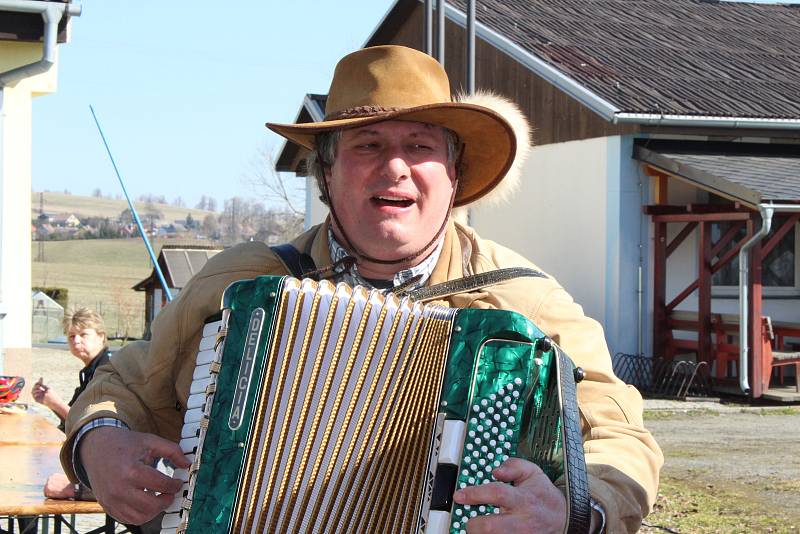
324	408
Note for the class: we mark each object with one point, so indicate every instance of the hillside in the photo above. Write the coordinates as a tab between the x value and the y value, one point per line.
99	274
82	206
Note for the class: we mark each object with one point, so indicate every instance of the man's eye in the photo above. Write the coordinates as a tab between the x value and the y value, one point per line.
419	146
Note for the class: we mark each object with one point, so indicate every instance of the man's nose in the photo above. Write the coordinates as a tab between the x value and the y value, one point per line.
397	167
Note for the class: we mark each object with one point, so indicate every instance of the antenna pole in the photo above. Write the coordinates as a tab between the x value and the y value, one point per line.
133	212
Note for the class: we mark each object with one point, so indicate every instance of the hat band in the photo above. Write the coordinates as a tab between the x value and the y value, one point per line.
359	111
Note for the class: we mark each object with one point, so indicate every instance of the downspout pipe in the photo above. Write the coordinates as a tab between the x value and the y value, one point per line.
3	308
766	211
51	12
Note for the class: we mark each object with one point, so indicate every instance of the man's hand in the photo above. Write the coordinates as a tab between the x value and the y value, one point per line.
58	486
120	463
532	504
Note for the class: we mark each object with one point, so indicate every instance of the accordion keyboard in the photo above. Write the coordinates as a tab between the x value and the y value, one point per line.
196	408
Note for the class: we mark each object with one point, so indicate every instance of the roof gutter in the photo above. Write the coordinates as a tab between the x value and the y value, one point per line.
51	12
766	210
705	121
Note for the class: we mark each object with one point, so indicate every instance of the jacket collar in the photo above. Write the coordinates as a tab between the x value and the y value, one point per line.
449	267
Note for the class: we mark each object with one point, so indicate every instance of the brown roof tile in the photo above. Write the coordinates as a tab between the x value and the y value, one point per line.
681	57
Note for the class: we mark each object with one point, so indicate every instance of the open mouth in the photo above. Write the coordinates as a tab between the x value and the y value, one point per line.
398	202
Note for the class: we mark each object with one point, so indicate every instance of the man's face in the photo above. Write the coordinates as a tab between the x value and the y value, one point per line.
85	343
391	186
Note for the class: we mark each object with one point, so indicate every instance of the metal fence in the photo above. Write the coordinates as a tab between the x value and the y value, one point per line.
658	377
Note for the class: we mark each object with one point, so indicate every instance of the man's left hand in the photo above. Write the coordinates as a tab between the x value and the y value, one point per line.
532	504
58	486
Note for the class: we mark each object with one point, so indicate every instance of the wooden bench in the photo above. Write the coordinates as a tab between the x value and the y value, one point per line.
725	346
781	356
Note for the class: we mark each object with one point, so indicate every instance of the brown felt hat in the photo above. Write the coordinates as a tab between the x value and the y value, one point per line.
397	83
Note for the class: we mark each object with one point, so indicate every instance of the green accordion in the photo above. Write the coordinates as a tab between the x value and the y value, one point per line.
324	408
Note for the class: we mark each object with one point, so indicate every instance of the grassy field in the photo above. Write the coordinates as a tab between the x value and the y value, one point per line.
103	207
98	273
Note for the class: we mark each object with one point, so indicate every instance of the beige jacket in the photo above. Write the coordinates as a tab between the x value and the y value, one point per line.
146	384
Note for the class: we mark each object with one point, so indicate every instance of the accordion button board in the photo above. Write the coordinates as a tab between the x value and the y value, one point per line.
322	408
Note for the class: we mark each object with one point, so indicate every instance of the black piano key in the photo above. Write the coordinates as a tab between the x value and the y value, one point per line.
444	485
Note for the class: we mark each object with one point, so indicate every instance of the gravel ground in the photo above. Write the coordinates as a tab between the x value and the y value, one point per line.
753	451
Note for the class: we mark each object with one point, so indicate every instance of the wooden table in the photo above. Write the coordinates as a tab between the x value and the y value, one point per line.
29	449
28	429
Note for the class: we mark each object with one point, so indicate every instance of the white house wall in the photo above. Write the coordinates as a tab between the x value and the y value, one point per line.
15	158
578	217
316	211
15	202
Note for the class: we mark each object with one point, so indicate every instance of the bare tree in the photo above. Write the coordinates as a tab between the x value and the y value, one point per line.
277	189
211	226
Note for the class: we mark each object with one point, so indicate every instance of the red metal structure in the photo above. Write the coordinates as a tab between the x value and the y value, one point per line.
716	334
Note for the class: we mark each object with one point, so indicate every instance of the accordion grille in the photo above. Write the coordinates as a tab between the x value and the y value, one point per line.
343	427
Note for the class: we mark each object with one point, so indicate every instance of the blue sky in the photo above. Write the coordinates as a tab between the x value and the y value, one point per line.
183	89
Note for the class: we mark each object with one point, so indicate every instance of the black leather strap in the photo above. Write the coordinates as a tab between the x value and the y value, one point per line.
471	283
579	511
298	263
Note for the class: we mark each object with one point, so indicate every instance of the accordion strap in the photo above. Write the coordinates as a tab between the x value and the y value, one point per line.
575	480
298	263
472	283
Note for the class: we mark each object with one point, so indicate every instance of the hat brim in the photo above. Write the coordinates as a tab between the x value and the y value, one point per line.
488	140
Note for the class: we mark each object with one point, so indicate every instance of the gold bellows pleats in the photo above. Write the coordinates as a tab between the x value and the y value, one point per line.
343	427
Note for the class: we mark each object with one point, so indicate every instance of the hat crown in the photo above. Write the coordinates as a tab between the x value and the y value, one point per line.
387	78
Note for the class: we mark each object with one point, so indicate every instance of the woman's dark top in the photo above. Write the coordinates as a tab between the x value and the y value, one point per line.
85	376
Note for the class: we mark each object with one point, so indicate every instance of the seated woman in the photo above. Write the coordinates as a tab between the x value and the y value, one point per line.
86	337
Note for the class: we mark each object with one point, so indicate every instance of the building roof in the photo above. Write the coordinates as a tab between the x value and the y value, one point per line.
291	157
746	172
43	303
179	264
16	26
666	57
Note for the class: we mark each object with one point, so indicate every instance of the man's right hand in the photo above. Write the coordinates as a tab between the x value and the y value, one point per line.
119	464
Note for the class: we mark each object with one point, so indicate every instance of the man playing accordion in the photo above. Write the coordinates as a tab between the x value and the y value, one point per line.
393	157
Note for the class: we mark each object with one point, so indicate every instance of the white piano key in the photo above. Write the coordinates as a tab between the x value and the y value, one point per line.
207	343
190	430
199	385
196	400
205	356
193	415
201	371
176	507
181	474
211	329
171	521
189	444
452	441
438	522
